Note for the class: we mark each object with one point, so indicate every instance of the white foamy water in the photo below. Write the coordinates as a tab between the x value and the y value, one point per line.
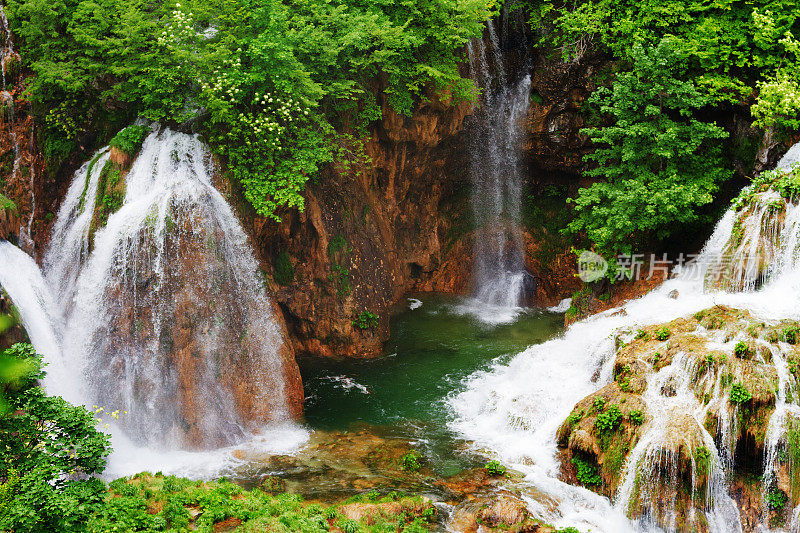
413	303
347	383
514	409
121	318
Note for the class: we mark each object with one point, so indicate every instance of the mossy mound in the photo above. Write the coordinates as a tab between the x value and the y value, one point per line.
110	194
718	375
597	437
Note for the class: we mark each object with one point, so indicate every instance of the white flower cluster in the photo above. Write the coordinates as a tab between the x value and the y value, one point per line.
270	114
181	28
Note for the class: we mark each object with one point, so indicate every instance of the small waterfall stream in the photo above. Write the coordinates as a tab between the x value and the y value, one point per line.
497	176
516	408
162	313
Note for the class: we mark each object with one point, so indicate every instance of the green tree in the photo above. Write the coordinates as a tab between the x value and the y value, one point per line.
658	161
49	452
778	102
266	81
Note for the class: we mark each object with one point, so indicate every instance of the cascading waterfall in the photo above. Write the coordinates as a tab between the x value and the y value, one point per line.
162	313
21	278
71	230
496	174
516	408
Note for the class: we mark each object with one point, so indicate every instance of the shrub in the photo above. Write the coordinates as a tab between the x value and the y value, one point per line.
411	462
130	139
659	161
663	333
740	394
741	350
636	417
366	320
609	420
494	468
51	451
790	334
776	499
585	472
599	404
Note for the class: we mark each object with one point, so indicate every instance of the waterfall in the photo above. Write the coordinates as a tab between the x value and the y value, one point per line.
516	408
22	280
161	313
497	176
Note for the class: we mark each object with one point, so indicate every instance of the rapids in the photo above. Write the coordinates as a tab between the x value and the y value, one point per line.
514	409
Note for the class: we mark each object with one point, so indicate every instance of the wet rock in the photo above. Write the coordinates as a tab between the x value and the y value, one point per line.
495	512
273	484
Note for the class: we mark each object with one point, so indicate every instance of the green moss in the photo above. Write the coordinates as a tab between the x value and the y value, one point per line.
130	139
586	472
6	204
110	195
616	447
284	269
575	417
702	458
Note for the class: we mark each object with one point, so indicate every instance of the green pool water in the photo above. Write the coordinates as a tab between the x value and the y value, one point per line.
403	393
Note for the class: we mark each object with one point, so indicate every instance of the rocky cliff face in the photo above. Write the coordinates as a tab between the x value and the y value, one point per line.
370	233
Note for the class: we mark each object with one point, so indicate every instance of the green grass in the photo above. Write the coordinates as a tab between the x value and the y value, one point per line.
148	502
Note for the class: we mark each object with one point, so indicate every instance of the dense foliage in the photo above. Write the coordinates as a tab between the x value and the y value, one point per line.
165	503
49	451
658	159
267	81
677	67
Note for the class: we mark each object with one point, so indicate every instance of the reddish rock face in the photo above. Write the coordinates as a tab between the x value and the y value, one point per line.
370	235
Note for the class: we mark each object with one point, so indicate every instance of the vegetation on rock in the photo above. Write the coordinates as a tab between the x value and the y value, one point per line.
266	82
677	67
734	389
147	502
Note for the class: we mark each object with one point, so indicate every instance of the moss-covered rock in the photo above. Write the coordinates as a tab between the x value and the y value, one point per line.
718	374
110	194
599	433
